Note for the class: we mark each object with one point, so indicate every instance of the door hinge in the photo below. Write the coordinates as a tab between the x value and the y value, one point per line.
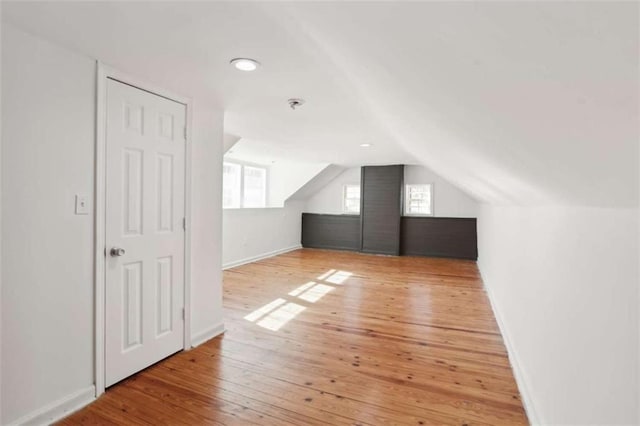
183	314
185	133
184	223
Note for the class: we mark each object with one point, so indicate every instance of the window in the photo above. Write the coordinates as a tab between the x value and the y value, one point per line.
351	199
231	184
243	186
418	200
255	187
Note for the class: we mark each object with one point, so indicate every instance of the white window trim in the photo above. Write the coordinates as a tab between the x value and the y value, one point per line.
405	211
344	199
242	165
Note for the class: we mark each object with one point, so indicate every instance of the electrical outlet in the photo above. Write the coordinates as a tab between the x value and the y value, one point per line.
82	204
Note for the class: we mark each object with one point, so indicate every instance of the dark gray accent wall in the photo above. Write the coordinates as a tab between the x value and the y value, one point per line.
381	228
380	208
341	232
439	236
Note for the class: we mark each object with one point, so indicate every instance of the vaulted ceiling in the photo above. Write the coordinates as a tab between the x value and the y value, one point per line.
514	102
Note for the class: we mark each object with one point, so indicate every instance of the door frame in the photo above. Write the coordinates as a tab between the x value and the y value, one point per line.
103	73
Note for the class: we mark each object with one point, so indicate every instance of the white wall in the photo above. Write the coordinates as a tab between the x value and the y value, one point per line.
48	139
564	283
286	177
254	233
449	201
251	234
206	221
328	200
318	182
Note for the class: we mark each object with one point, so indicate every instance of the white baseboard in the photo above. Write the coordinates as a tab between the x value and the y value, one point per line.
260	257
520	375
59	409
208	334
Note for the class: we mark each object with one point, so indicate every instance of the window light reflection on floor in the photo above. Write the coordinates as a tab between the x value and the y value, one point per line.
280	316
277	313
264	310
315	293
302	288
326	274
338	277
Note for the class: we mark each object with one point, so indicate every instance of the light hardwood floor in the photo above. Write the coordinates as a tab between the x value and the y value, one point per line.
320	337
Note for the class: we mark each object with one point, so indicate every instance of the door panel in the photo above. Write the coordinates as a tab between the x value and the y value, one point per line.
145	204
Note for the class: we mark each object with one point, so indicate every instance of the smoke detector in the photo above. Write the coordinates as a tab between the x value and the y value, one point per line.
295	102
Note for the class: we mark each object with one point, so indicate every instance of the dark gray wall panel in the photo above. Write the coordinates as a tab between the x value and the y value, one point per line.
329	231
380	208
439	236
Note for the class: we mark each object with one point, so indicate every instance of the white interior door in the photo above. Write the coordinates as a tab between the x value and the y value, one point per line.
145	204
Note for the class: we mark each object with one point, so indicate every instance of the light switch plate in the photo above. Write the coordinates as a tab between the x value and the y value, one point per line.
82	204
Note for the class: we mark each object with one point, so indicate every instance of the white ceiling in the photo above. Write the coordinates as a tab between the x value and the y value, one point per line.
524	103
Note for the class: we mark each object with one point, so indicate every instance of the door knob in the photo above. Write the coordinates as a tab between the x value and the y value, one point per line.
117	251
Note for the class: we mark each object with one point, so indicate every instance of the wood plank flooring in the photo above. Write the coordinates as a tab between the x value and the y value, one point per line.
320	337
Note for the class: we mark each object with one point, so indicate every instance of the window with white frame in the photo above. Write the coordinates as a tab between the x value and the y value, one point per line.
254	187
351	199
418	200
243	186
231	185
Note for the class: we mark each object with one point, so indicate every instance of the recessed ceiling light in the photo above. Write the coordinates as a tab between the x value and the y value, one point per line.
365	145
245	64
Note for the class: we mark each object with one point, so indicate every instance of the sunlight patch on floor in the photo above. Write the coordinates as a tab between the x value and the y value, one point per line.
274	315
264	310
280	316
316	293
302	288
338	277
326	274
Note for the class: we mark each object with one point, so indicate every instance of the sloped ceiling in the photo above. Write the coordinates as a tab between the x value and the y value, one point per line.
524	103
318	182
286	176
514	102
